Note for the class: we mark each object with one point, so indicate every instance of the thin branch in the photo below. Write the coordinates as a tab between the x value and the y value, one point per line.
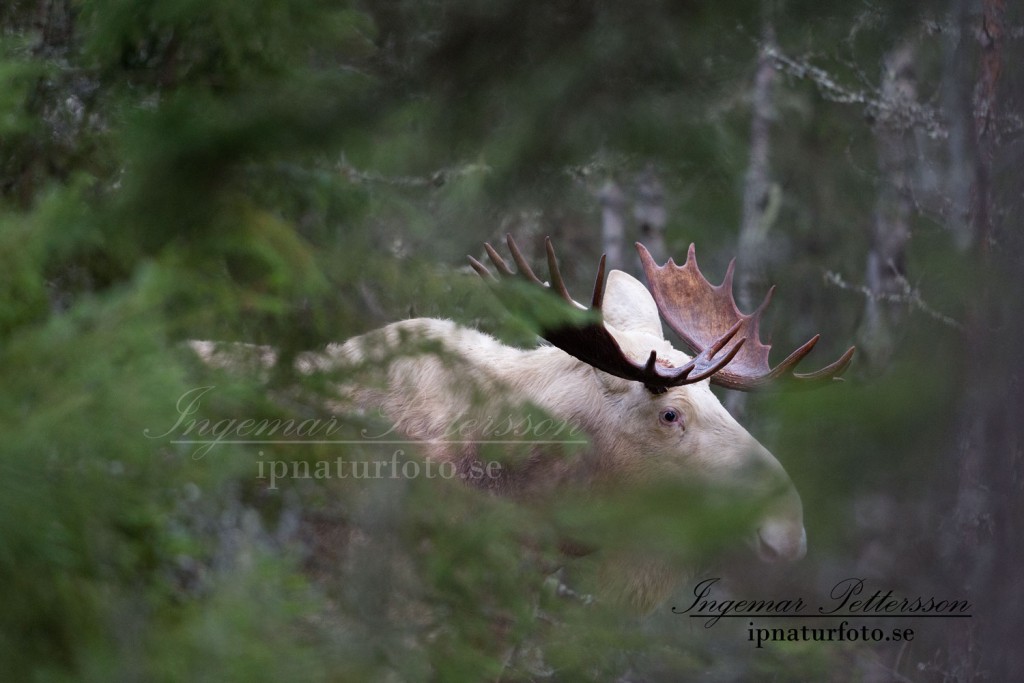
900	113
436	179
909	296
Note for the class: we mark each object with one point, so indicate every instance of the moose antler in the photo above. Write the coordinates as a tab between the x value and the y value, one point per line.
593	344
697	311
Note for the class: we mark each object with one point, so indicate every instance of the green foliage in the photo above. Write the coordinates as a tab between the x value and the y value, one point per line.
295	172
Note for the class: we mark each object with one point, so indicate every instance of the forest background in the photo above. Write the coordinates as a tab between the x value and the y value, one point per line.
295	172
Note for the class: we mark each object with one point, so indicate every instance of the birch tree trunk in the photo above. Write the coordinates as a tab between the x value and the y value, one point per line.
755	221
613	230
650	214
754	225
886	262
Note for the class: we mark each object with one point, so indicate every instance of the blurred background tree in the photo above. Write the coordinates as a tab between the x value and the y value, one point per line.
294	172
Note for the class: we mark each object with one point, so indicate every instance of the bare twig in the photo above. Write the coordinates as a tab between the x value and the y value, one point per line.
909	296
901	113
436	179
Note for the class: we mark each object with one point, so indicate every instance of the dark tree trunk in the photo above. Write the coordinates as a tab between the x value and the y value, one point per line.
985	552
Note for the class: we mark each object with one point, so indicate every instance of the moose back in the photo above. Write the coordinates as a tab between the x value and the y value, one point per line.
645	407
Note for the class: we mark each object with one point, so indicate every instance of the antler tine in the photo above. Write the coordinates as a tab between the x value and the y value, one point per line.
713	369
759	311
704	363
724	339
517	256
695	309
831	371
652	361
795	357
707	356
497	260
557	283
598	299
481	269
592	343
730	272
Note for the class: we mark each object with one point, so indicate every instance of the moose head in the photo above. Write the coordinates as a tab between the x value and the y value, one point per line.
658	398
646	407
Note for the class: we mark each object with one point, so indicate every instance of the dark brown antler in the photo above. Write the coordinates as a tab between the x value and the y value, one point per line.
593	343
698	311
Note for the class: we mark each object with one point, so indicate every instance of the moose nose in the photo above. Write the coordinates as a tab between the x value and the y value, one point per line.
781	542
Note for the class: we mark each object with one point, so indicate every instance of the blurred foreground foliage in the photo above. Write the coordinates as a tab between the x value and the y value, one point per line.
295	172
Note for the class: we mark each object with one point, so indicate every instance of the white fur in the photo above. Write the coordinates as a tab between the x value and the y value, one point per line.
427	375
426	393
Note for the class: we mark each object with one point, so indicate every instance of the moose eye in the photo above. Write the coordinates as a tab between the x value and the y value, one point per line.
670	416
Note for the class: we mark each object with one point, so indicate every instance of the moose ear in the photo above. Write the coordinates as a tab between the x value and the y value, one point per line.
629	307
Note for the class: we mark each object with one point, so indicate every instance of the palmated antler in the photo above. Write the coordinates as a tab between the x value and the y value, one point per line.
593	344
699	311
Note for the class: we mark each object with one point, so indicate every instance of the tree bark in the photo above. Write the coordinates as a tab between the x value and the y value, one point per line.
886	262
754	225
650	214
984	552
613	231
755	221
